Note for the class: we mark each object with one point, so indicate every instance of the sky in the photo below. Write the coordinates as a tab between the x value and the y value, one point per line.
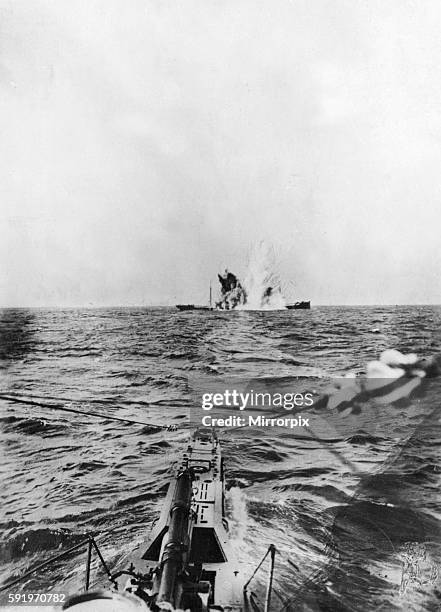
147	145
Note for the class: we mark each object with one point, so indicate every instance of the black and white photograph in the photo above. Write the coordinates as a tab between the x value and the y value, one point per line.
220	306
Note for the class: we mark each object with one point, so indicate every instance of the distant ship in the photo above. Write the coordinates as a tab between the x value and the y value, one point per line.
234	295
299	306
192	307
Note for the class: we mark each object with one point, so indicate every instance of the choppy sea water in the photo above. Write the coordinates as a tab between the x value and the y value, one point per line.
353	510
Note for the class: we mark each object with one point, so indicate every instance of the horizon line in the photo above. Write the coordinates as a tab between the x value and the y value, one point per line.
98	306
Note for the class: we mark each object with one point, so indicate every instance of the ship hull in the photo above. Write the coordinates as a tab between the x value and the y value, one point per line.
184	307
299	306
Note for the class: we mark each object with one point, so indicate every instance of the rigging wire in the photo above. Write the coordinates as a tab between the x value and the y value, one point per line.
32	402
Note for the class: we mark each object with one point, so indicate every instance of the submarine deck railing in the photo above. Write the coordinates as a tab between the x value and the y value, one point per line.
91	544
269	587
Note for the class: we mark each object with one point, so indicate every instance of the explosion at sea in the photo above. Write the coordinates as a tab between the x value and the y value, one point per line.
261	287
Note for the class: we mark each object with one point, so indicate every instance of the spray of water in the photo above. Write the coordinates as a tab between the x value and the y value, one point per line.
239	516
262	282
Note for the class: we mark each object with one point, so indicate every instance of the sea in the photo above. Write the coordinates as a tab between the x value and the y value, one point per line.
352	504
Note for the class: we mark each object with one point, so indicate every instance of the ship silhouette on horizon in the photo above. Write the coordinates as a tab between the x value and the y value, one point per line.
234	296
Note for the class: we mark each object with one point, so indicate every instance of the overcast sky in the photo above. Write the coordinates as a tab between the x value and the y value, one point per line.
147	144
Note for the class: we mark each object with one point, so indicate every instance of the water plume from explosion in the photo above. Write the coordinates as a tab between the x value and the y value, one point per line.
260	289
262	282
